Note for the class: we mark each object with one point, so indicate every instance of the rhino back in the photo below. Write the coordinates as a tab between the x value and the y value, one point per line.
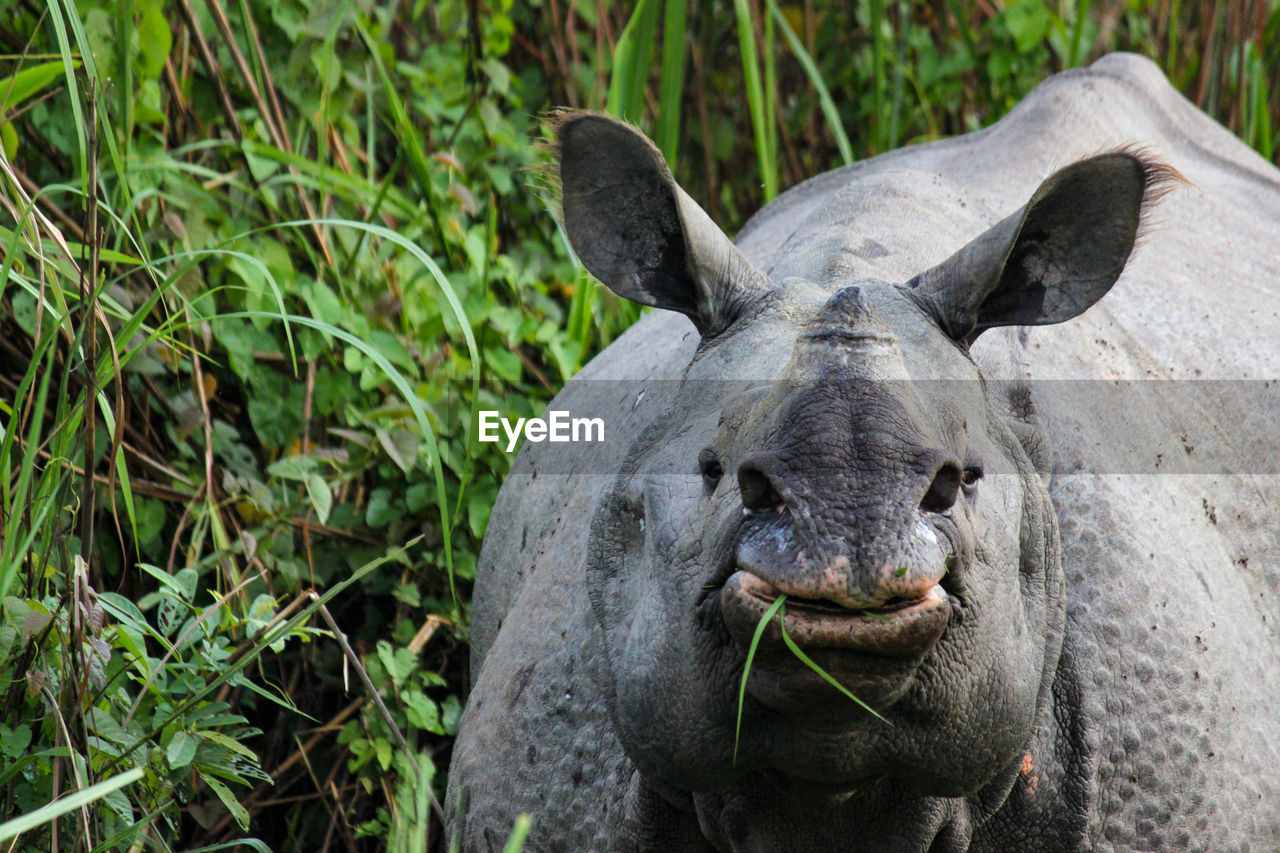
1121	99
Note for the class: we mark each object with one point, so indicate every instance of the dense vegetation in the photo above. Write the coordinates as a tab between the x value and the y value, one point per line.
260	262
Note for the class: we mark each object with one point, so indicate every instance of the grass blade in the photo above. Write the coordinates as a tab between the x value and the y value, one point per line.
815	78
671	83
756	98
52	811
1077	32
771	93
899	72
632	57
807	661
877	74
777	608
1260	131
746	669
518	834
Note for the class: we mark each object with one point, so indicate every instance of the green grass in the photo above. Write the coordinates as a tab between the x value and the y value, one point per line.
778	609
215	399
907	71
775	608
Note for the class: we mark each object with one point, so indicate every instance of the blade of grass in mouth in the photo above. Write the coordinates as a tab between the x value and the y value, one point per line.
777	608
746	670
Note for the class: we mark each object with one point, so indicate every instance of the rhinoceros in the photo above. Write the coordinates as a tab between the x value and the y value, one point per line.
903	403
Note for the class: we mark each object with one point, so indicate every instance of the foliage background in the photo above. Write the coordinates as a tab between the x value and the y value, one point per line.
259	264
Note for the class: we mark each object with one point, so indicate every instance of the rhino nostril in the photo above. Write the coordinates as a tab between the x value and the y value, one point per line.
758	492
944	489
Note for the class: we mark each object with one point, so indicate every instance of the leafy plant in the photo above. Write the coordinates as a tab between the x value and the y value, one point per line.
755	119
240	368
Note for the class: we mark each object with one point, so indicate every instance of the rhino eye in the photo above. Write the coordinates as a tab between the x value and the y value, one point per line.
970	476
711	468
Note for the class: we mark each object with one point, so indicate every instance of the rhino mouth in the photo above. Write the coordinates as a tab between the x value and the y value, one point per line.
905	626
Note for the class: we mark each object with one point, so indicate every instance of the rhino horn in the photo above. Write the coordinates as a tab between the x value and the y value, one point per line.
847	334
638	232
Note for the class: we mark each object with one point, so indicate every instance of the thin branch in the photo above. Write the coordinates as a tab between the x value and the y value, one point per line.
215	70
377	700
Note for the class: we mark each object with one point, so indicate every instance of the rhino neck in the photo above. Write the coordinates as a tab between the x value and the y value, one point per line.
1047	796
1054	796
885	817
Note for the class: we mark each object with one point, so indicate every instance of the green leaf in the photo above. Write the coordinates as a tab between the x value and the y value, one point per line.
408	593
1028	21
9	140
182	749
321	497
421	712
228	799
387	656
150	518
417	496
297	467
17	88
34	622
382	748
450	713
227	742
185	581
154	41
479	505
505	363
15	742
382	508
119	803
108	727
401	445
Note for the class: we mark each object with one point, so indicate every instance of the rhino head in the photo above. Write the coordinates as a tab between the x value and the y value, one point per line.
832	440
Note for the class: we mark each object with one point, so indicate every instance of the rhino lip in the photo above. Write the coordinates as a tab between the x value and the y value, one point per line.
900	627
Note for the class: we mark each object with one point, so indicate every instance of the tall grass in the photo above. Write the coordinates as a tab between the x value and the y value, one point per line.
234	370
798	88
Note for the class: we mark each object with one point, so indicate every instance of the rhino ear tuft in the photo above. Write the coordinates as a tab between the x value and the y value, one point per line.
1055	257
638	232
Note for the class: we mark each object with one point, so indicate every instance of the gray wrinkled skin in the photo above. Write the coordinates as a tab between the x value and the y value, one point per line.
1108	674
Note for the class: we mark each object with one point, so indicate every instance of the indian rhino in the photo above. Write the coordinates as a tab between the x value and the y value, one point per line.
886	409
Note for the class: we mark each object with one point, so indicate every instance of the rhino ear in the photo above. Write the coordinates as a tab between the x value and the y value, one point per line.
1055	257
638	232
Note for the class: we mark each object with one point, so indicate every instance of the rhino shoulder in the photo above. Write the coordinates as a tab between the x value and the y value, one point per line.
541	514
